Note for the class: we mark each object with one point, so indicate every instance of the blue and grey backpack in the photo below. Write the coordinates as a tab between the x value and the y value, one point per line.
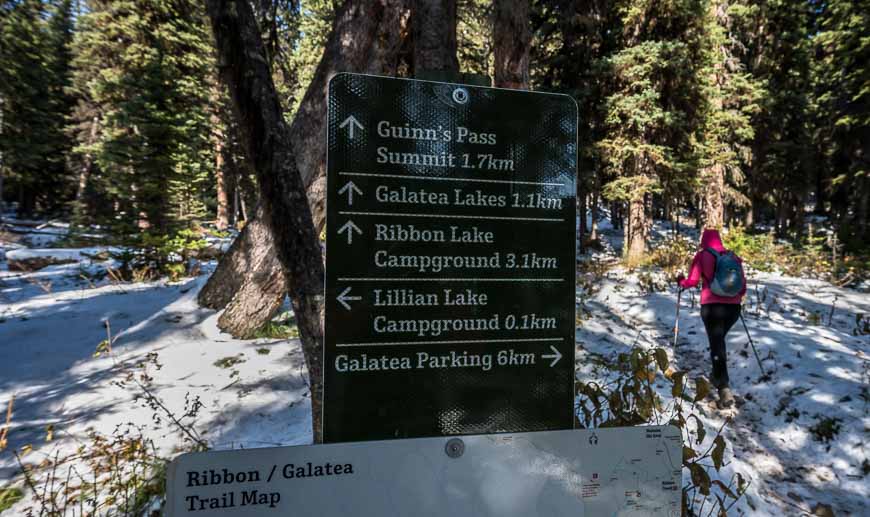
727	278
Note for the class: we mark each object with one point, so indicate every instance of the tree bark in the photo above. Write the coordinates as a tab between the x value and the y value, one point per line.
714	196
223	201
249	284
85	173
251	251
593	233
367	37
636	231
262	285
266	139
434	34
512	38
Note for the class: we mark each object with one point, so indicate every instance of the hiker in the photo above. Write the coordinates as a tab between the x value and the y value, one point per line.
724	285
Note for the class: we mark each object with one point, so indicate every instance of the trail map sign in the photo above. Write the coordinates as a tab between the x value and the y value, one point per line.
632	472
450	265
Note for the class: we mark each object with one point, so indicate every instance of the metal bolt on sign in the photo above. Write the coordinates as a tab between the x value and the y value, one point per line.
454	448
460	95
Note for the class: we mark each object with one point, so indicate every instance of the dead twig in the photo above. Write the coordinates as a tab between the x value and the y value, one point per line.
833	308
4	433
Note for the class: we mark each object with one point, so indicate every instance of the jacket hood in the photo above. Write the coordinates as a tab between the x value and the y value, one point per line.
711	239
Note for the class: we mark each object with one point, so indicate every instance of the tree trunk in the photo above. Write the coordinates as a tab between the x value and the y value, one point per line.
266	139
261	285
714	196
223	201
367	37
376	30
593	234
434	34
512	38
85	173
250	256
636	231
864	212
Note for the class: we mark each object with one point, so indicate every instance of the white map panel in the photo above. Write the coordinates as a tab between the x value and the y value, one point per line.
631	471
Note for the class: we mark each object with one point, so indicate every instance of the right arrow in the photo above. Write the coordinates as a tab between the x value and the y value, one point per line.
350	187
343	298
555	356
349	123
349	227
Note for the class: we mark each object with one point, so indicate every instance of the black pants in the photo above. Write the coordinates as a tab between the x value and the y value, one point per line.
718	319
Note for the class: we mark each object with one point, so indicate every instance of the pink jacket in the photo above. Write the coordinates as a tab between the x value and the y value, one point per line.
703	266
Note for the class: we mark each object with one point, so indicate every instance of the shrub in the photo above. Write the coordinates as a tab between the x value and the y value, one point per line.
672	255
630	400
148	257
826	429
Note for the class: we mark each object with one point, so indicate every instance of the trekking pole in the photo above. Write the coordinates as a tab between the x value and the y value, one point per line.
677	319
752	344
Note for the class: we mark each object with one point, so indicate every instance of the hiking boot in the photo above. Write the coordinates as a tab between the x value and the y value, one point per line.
726	398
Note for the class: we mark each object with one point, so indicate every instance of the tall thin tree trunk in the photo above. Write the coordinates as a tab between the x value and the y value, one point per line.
863	210
434	35
2	168
223	202
85	173
714	196
593	234
582	227
636	231
512	38
266	139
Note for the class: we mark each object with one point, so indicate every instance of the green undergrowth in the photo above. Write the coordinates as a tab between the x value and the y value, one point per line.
809	257
281	327
9	496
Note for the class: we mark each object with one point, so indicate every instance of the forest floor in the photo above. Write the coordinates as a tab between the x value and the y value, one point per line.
799	438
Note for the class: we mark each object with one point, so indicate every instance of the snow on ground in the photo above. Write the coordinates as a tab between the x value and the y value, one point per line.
821	370
59	254
52	320
47	345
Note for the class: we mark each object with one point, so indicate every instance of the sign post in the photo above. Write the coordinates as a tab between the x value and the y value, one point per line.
450	260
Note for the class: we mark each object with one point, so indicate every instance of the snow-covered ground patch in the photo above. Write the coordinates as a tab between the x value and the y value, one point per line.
800	436
254	392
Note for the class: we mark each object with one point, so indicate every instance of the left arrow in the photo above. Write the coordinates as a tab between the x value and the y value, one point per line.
349	123
343	298
349	227
350	187
555	356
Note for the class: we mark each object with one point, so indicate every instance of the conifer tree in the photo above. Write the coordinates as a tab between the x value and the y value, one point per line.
842	114
778	43
146	67
652	109
731	97
34	37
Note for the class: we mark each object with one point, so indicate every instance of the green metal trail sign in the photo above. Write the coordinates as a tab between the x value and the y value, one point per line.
450	260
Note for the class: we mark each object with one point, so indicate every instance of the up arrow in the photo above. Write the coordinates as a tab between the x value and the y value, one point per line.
555	356
349	227
350	187
343	298
349	123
